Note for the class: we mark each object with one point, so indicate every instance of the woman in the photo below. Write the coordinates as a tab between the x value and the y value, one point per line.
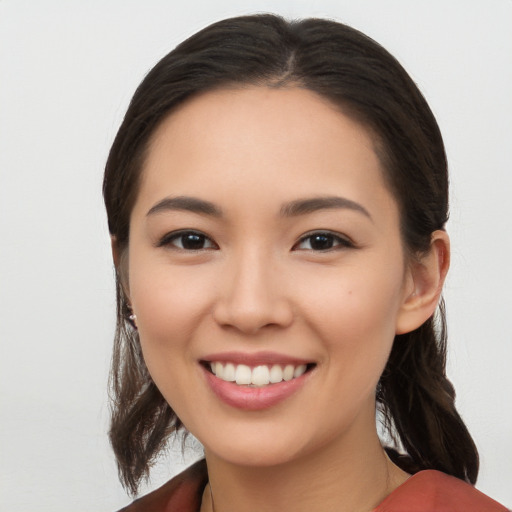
277	196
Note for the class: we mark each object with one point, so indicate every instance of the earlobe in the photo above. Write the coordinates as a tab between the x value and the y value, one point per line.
427	276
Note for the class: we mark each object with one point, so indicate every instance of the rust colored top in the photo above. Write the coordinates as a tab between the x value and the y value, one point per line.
425	491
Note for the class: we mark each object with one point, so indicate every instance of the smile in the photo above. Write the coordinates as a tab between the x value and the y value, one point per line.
262	375
255	381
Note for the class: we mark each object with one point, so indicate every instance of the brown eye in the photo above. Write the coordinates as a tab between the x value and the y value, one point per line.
322	241
188	241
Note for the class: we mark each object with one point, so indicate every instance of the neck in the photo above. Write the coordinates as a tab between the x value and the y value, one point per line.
342	477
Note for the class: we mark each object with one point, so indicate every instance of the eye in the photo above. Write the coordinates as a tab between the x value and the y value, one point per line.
188	241
322	241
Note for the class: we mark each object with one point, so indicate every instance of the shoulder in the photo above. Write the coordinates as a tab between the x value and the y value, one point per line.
429	491
180	494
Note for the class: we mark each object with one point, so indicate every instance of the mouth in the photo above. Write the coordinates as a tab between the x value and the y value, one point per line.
261	375
257	381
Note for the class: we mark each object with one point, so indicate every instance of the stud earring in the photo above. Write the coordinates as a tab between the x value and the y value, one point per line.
132	317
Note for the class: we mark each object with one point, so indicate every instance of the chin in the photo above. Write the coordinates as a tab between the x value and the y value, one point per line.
255	458
254	448
261	446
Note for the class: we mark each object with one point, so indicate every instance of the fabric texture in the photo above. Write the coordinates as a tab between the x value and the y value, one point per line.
425	491
433	491
183	493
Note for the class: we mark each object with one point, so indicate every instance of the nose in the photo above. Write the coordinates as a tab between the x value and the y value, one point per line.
252	295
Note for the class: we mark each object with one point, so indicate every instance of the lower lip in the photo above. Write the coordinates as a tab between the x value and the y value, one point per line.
253	398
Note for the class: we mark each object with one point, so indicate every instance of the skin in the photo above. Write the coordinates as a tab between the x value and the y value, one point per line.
257	284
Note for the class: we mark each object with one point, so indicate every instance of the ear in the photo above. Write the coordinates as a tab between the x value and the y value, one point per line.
424	284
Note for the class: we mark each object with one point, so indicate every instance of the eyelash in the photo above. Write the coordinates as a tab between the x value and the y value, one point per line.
337	241
171	238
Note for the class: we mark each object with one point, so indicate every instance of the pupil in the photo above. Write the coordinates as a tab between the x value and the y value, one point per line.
321	242
193	241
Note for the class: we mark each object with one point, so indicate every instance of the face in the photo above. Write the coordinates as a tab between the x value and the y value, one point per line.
265	250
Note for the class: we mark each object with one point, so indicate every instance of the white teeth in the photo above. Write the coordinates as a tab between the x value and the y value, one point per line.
229	372
276	374
300	370
260	375
288	372
243	374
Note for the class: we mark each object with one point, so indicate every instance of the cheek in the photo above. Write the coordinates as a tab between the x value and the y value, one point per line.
354	299
170	306
169	302
355	315
356	328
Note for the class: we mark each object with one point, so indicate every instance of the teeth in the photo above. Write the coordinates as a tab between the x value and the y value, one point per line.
288	372
300	370
259	376
242	374
229	372
276	374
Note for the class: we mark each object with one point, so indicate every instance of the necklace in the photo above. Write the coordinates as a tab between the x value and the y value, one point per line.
211	498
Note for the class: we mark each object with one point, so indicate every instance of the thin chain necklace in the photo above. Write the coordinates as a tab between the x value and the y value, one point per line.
211	498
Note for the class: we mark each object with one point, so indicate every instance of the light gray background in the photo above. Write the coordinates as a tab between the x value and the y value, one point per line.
67	72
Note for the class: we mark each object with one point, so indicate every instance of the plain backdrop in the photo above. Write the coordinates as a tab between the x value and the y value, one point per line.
67	71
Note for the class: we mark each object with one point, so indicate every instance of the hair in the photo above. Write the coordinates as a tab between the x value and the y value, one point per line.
369	85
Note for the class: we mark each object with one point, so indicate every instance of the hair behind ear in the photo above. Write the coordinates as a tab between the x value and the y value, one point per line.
141	419
418	403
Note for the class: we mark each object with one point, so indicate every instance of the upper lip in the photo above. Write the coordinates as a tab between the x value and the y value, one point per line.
255	359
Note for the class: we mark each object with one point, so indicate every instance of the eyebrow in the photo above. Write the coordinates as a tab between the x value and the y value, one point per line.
185	203
291	209
310	205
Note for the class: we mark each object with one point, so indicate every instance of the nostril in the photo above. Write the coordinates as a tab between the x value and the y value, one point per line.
251	318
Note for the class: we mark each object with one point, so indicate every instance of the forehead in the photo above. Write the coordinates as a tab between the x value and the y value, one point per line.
289	112
286	140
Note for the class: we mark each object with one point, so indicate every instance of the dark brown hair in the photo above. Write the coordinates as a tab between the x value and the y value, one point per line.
367	83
